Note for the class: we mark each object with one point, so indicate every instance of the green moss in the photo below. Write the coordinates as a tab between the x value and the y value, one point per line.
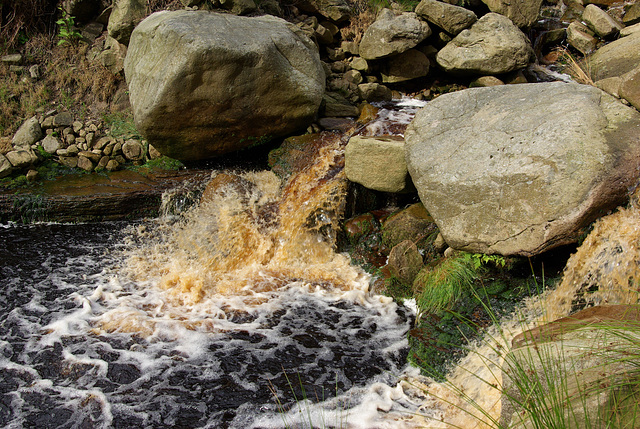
121	125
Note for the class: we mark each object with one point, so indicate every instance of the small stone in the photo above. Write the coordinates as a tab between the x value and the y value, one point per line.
102	142
34	72
120	159
112	165
353	76
32	175
47	123
73	150
63	119
28	133
77	126
51	144
82	133
103	162
133	150
108	149
374	92
68	161
11	59
70	139
484	81
600	21
350	47
67	131
153	153
95	157
90	138
85	163
117	148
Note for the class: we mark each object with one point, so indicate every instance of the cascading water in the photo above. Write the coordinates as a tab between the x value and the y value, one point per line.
226	317
238	313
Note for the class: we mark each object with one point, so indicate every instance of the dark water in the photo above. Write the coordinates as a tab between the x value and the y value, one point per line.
57	370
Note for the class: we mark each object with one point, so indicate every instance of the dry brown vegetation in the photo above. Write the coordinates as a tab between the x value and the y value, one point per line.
363	17
68	81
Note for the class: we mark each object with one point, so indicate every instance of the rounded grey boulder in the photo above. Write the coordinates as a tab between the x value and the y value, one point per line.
203	84
520	169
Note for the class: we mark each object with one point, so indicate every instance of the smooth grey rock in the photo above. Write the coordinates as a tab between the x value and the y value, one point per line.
452	19
364	155
493	45
51	144
600	21
204	84
126	14
392	35
522	13
28	133
520	169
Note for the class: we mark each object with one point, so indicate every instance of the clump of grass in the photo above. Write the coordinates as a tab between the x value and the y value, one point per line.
574	68
439	287
121	125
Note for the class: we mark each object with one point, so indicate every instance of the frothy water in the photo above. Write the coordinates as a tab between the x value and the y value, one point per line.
227	316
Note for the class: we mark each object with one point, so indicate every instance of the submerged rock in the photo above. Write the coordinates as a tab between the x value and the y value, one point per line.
520	169
204	84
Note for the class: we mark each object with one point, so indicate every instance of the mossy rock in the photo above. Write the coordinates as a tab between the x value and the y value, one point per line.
412	223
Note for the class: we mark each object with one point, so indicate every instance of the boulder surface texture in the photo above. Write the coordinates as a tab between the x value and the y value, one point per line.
493	45
204	84
520	169
392	34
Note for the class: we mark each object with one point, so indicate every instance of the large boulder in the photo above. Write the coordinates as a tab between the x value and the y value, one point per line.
392	34
522	13
204	84
520	169
452	19
493	45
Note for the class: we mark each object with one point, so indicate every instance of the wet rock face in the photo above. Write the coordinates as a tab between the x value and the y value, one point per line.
204	84
520	169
